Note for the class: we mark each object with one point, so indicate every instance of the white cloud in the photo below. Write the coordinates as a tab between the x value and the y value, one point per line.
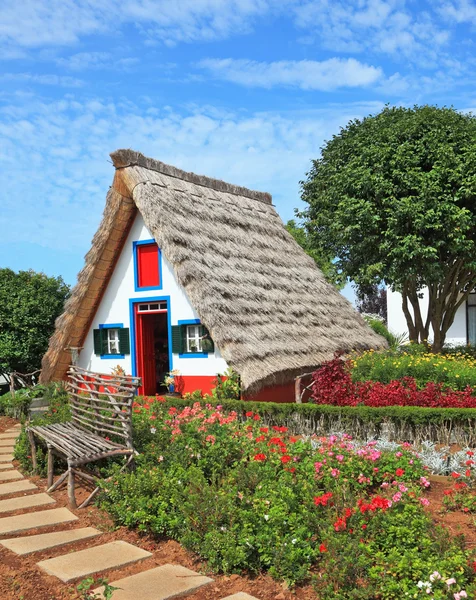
95	60
56	169
377	26
41	79
459	11
35	23
305	74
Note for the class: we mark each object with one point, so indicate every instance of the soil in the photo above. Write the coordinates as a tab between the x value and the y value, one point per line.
20	579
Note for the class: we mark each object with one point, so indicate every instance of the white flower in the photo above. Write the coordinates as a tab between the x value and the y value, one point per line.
434	576
153	430
293	541
266	517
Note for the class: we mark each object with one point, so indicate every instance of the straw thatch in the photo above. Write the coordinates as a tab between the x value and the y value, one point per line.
267	306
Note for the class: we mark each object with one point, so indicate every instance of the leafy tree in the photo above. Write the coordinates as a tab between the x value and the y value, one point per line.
29	305
372	300
323	261
393	198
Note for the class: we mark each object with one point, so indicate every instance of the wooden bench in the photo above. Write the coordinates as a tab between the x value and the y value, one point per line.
100	427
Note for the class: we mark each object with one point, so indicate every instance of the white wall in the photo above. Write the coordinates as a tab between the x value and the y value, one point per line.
114	308
398	324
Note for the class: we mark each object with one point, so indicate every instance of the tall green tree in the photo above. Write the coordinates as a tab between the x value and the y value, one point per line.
393	198
323	261
29	305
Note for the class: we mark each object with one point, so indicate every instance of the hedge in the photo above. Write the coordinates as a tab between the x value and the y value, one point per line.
400	423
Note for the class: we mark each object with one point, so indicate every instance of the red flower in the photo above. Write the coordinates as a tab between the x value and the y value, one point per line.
340	524
152	418
468	473
249	413
285	459
256	418
469	453
364	526
264	429
260	457
322	548
455	475
322	500
399	472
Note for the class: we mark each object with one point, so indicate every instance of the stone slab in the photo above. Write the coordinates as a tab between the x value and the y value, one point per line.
6	458
15	487
93	560
5	466
10	475
8	442
161	583
7	449
43	541
44	518
25	502
9	436
240	596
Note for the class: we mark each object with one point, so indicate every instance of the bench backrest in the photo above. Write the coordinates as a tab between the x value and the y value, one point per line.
102	403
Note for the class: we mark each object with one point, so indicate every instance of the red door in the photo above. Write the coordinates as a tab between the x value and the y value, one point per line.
145	353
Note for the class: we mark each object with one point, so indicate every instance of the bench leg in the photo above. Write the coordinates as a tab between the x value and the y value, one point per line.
50	467
71	495
58	482
31	437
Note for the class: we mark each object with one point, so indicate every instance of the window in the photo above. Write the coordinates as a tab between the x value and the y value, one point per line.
111	341
194	339
191	339
471	320
147	265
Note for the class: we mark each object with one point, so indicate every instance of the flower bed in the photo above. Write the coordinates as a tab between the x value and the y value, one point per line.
455	370
334	384
253	498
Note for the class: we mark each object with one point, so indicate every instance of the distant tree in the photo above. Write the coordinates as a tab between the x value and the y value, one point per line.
323	261
393	198
372	300
29	305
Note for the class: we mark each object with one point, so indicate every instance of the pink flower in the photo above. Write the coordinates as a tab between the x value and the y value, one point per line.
335	472
397	497
402	488
424	501
450	581
424	482
340	458
398	454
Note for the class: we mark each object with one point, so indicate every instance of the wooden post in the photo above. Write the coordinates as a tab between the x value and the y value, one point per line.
297	390
31	437
50	467
72	497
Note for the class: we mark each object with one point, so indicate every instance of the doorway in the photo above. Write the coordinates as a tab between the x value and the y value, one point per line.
152	346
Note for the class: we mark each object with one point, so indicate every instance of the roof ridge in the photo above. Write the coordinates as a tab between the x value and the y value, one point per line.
124	158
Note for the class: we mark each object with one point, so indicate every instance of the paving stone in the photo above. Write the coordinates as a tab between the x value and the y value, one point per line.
8	442
93	560
6	458
44	518
7	449
168	581
25	502
43	541
240	596
10	475
16	486
9	436
5	466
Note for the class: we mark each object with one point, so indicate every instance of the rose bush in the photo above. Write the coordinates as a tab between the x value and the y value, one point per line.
248	497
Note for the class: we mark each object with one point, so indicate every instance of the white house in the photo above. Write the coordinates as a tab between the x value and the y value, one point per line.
193	274
462	331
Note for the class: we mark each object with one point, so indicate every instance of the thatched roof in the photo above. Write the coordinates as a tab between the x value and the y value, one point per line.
267	306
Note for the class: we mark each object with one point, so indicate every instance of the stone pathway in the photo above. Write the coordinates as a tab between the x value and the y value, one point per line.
159	583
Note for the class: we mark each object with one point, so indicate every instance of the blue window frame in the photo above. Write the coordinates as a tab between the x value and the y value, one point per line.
110	336
191	354
135	254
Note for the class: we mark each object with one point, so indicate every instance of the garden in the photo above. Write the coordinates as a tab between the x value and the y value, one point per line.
285	490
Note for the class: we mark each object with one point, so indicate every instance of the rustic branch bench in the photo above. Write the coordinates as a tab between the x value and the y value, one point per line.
100	427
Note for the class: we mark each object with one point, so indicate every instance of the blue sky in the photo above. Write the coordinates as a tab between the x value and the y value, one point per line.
242	90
